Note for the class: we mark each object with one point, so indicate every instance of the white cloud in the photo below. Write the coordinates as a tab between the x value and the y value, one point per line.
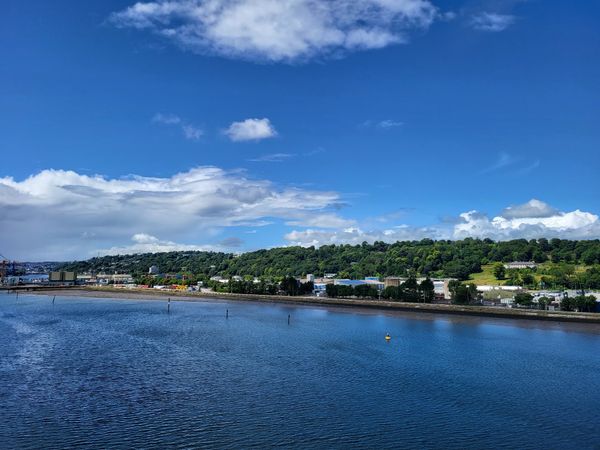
524	170
382	124
279	30
569	225
167	119
533	208
504	160
534	219
273	157
517	165
145	243
322	221
57	214
355	235
251	130
389	123
190	132
231	242
492	22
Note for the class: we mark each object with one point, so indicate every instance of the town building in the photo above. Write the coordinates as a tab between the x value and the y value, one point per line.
219	278
372	281
520	265
116	278
441	287
320	289
153	270
63	278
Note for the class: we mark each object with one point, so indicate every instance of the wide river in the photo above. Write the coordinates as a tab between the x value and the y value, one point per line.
107	373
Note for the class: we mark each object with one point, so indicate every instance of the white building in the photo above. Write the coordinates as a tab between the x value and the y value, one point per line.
117	278
153	270
520	265
220	279
489	288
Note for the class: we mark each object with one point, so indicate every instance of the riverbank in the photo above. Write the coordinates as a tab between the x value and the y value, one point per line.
482	311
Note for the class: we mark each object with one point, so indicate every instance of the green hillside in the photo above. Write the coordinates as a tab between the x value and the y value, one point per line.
567	261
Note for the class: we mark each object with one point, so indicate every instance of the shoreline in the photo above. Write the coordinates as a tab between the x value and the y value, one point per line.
481	311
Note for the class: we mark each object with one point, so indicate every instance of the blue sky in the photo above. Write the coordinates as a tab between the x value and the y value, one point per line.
341	121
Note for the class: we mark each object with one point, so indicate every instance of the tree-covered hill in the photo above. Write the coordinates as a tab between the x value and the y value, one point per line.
455	259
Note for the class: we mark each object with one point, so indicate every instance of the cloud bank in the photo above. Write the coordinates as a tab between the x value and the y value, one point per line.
58	214
279	30
534	219
145	243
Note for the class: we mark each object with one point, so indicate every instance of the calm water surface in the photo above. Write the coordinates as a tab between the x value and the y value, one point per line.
122	374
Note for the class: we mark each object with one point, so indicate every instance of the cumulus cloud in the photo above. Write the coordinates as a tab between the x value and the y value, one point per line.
534	219
569	225
355	235
533	208
189	131
251	130
279	30
492	22
58	214
145	243
232	242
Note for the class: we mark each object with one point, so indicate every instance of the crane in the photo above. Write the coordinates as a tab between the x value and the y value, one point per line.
7	267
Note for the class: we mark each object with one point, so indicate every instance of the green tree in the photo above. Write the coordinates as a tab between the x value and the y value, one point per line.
543	302
524	299
290	286
463	294
585	303
427	290
331	290
365	291
567	303
499	271
528	279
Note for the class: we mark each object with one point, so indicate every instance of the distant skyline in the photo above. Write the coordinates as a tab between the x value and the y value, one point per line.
233	125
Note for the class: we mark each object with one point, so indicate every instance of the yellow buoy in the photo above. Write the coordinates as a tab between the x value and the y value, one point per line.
388	337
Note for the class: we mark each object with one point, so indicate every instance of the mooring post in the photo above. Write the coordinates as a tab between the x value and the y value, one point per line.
289	315
169	306
227	314
53	298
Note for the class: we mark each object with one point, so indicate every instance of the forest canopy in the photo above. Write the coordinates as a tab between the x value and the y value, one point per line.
444	258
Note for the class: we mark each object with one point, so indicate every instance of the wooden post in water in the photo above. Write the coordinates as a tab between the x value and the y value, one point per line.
169	306
53	298
289	315
227	314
